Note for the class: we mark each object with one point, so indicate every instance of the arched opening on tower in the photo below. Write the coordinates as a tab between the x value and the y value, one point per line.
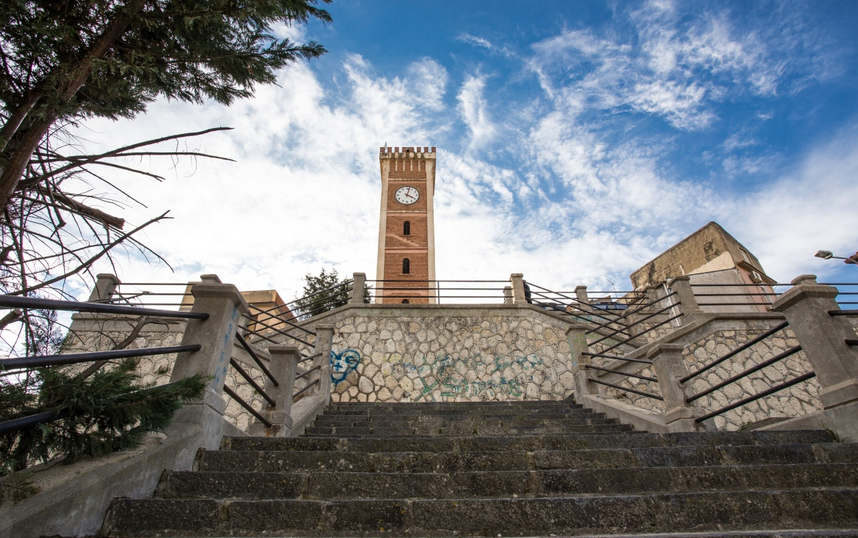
406	266
406	228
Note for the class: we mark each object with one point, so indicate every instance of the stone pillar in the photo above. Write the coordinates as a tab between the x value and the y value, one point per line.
216	335
669	368
324	340
284	363
822	337
682	286
507	295
357	290
105	286
517	281
576	335
581	295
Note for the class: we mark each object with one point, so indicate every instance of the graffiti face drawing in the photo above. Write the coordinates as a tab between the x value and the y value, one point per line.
344	363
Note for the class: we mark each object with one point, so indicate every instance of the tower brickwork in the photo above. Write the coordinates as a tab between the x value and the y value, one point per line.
406	239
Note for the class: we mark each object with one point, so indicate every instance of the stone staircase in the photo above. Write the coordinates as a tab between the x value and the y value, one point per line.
503	469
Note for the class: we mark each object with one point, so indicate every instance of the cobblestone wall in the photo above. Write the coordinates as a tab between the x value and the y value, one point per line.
465	355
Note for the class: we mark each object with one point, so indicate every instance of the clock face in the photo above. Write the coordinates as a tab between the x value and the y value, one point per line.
407	195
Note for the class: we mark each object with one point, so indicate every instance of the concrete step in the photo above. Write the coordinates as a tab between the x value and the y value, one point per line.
463	429
532	442
523	460
626	514
459	421
339	485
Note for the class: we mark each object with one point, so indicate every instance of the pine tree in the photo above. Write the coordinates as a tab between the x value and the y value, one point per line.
71	59
325	292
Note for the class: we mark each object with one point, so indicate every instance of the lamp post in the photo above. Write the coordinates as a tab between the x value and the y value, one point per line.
827	255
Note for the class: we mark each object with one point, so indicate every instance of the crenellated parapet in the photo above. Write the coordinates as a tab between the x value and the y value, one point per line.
407	152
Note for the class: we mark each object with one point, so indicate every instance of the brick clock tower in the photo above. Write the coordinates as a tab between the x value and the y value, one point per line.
406	232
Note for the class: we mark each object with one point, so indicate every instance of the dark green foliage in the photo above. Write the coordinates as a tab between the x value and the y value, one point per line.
325	292
107	412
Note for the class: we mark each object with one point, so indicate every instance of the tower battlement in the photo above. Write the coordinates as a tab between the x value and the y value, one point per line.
406	152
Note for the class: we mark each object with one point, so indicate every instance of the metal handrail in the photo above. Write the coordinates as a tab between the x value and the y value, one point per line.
615	357
326	290
247	406
308	372
256	358
736	351
93	356
756	397
654	314
746	373
638	392
638	376
273	328
843	312
300	392
654	327
287	321
14	301
243	373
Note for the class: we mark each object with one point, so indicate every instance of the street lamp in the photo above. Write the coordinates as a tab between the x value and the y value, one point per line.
827	255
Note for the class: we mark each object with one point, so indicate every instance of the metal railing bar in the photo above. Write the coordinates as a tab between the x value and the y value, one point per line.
13	301
639	392
645	378
256	358
733	304
650	316
736	351
157	283
74	358
348	285
606	292
457	281
311	357
572	299
851	342
300	392
275	329
843	312
288	322
746	373
736	294
152	294
845	302
411	288
243	373
247	406
756	397
725	285
308	372
151	304
630	311
617	357
654	327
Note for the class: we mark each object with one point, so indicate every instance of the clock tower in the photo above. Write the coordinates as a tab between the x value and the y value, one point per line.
406	232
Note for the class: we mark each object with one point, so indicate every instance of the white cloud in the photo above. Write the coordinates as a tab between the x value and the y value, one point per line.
474	111
485	44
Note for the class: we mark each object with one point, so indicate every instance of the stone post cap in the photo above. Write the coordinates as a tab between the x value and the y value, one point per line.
359	274
516	275
658	349
108	276
681	278
580	288
577	327
283	349
805	286
227	291
324	327
210	279
803	279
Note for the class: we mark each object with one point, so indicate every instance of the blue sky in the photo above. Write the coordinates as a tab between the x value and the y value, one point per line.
577	140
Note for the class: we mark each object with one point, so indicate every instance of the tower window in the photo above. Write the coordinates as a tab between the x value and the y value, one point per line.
404	301
406	266
406	228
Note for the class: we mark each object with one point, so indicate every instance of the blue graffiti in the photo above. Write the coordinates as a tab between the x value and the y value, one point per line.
344	363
